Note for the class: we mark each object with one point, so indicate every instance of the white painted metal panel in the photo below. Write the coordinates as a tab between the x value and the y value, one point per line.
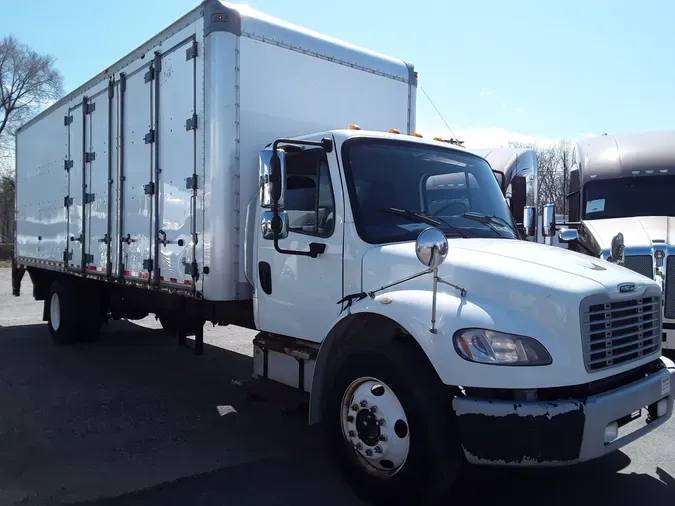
42	184
177	142
137	206
75	209
317	95
221	165
97	184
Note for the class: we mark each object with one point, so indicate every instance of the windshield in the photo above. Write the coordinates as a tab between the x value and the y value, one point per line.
436	182
629	196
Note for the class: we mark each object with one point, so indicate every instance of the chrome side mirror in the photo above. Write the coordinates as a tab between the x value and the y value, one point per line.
569	235
617	249
529	220
272	180
268	224
431	247
548	225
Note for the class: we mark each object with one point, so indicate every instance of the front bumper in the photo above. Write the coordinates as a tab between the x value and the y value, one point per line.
561	432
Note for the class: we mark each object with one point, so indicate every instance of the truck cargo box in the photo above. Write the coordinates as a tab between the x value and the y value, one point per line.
142	175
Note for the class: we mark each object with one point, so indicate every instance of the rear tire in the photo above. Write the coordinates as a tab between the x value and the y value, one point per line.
73	316
62	314
391	426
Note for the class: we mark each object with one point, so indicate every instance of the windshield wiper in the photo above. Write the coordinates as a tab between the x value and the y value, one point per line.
488	220
421	217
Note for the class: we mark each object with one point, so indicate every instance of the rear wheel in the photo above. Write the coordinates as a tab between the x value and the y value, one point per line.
391	427
73	315
62	312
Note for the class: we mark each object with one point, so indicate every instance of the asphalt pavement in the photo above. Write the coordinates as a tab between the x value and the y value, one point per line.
133	419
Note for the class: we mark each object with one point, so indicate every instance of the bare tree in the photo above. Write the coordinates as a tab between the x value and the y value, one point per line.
28	82
554	165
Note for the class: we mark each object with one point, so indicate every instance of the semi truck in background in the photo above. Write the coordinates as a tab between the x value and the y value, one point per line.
210	176
621	193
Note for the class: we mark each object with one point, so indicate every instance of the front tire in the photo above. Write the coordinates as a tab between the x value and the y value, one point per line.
391	426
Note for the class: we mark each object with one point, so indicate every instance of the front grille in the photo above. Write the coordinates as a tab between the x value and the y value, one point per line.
616	332
669	309
642	264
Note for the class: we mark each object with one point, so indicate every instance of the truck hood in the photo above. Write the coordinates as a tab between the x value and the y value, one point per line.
637	231
473	263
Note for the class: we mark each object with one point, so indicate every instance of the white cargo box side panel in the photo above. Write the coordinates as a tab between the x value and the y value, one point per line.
137	159
96	180
42	185
180	158
286	93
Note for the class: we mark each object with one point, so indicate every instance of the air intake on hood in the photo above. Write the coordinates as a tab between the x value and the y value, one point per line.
642	264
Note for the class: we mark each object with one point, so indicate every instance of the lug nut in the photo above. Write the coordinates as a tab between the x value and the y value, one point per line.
369	453
359	446
350	418
364	404
352	433
378	449
383	437
355	407
373	409
380	422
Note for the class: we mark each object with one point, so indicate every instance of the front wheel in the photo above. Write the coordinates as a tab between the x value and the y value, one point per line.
391	426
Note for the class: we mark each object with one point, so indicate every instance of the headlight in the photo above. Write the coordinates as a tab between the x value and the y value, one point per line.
498	348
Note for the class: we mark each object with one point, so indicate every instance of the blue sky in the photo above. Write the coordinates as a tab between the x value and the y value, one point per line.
497	70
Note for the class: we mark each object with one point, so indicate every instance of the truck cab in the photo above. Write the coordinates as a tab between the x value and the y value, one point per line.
621	193
422	324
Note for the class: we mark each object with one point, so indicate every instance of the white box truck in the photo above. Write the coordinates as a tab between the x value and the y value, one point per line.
208	177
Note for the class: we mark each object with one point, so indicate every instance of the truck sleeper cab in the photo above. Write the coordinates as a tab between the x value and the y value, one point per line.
622	184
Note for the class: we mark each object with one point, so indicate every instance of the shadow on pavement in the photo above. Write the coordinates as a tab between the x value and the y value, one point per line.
133	412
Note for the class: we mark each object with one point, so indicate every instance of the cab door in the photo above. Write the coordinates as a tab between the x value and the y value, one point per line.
297	295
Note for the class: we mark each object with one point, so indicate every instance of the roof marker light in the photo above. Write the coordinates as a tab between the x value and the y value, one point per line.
394	131
354	127
415	134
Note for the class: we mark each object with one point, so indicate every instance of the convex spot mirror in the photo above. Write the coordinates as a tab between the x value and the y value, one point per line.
431	247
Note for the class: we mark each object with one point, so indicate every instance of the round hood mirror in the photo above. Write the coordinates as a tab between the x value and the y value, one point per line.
431	247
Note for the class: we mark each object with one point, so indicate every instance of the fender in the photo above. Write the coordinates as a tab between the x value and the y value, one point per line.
410	311
406	315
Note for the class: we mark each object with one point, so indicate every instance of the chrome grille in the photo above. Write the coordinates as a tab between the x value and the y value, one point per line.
616	332
642	264
670	288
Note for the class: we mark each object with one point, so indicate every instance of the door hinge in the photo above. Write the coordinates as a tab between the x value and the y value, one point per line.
192	269
89	198
191	52
147	264
67	201
67	164
191	182
149	188
89	107
88	258
149	137
191	123
89	157
67	120
111	88
149	75
105	239
67	255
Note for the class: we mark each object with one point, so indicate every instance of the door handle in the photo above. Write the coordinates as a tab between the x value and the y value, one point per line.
316	249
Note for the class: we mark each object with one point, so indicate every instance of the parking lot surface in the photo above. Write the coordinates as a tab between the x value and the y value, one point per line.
133	419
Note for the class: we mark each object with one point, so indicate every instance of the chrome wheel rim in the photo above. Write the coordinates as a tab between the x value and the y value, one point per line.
375	426
55	311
